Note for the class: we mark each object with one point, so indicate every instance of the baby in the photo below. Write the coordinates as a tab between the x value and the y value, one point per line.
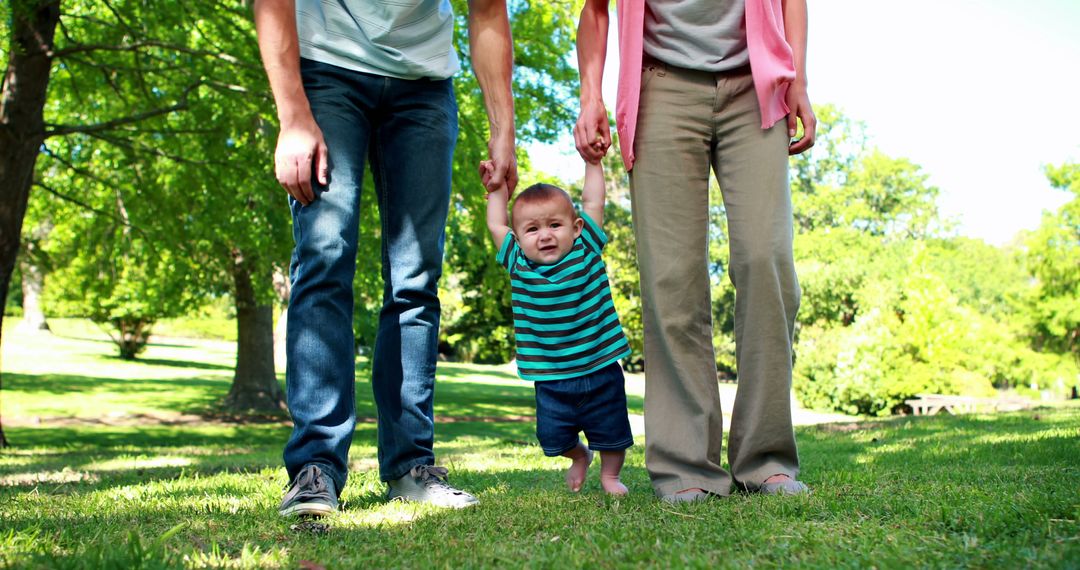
569	339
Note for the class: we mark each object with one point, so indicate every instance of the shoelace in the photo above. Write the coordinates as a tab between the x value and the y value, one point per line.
310	485
435	477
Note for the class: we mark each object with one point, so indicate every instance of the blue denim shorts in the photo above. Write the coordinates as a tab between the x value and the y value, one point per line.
594	404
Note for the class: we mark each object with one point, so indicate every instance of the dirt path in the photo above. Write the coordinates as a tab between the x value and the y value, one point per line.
635	384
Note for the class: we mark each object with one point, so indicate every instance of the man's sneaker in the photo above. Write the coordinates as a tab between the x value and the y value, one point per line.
427	484
311	493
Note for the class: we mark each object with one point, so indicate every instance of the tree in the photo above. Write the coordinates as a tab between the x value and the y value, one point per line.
911	336
891	305
112	264
153	106
150	82
28	50
1053	258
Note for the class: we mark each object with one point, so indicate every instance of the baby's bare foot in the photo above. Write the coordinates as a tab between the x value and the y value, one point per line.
575	475
613	486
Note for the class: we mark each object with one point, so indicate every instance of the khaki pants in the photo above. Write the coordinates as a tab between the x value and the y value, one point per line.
688	122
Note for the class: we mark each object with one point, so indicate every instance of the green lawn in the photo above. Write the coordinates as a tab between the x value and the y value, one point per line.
123	465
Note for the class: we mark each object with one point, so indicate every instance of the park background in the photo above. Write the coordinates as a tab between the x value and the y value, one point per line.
938	248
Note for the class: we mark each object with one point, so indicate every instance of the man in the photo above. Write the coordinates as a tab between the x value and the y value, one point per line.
705	84
356	80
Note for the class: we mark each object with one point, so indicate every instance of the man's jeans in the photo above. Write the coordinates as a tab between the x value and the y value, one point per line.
408	129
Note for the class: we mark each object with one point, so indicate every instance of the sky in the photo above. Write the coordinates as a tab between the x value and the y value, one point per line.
980	94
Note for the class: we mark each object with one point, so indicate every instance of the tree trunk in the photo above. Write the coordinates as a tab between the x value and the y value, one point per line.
255	385
33	283
22	123
132	335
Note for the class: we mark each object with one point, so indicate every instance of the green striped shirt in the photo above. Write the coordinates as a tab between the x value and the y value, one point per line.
565	324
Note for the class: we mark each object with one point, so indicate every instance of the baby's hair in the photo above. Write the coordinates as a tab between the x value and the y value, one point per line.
538	193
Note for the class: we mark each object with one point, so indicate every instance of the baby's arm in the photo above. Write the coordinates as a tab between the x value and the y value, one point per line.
498	221
592	193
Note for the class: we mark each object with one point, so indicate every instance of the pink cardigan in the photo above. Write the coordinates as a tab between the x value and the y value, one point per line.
771	65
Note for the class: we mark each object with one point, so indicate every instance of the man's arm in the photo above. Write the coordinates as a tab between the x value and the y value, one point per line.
300	146
593	192
795	24
491	46
592	124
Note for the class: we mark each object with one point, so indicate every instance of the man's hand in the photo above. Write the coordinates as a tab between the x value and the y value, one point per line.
798	103
502	165
301	151
592	134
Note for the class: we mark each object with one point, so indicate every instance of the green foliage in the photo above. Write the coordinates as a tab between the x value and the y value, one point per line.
834	266
891	308
116	276
844	184
13	306
1053	258
213	321
991	280
620	256
913	335
156	173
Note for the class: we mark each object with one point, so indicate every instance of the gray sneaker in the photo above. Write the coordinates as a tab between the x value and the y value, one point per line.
427	484
311	493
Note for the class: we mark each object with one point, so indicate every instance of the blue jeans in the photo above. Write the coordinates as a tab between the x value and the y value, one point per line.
594	404
407	129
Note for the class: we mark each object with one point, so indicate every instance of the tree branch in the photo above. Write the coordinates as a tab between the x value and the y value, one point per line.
136	46
59	130
53	130
86	206
153	150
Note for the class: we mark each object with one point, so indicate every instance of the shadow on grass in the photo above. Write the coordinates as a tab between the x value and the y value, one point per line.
205	398
83	461
193	345
133	439
180	364
87	460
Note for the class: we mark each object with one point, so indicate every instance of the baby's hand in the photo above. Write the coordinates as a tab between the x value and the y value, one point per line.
600	148
487	168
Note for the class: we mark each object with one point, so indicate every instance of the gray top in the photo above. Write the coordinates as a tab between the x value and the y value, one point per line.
409	39
709	35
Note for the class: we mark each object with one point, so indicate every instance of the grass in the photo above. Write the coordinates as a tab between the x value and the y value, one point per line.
114	466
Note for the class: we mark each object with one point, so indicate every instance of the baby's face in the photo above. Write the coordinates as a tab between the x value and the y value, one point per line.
546	230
